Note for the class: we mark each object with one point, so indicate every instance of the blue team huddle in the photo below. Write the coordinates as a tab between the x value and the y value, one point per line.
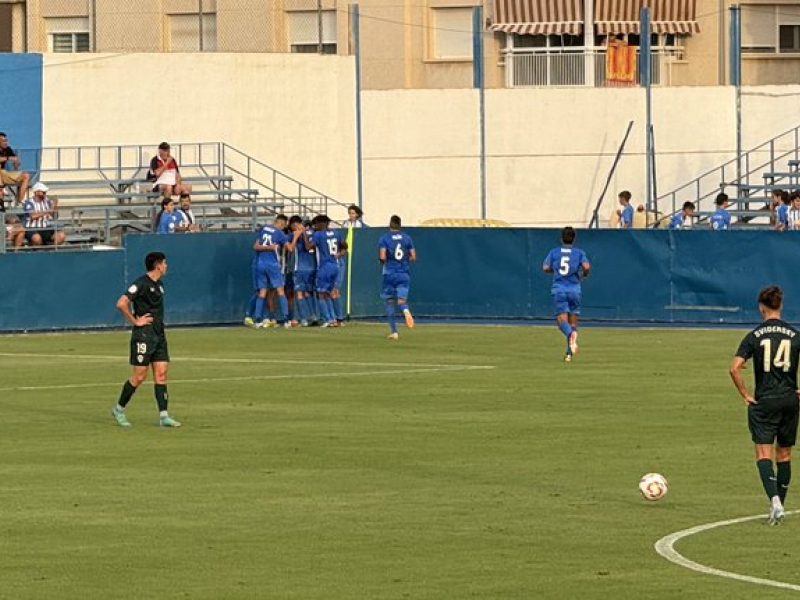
298	269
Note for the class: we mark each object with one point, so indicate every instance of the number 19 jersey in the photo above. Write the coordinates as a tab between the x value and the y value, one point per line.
566	261
774	347
398	246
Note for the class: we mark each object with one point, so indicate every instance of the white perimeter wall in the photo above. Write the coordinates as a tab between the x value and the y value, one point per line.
549	150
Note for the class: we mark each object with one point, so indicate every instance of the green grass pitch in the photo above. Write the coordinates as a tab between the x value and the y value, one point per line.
460	462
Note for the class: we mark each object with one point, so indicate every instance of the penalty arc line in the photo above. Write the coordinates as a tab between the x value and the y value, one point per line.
29	388
666	548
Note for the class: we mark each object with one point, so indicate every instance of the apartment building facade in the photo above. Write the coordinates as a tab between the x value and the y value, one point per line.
412	44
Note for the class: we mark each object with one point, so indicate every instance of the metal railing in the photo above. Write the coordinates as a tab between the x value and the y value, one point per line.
125	167
754	162
574	67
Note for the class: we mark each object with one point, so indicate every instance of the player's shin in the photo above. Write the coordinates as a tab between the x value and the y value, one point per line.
391	316
162	399
338	311
284	307
324	310
259	311
768	480
783	479
128	390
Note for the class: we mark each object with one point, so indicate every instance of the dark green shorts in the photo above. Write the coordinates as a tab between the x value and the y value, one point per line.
148	349
774	420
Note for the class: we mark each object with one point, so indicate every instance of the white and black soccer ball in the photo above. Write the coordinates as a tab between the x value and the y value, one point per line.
653	486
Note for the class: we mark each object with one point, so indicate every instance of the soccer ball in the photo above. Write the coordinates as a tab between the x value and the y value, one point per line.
653	486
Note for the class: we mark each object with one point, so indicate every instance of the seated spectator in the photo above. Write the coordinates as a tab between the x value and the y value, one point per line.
187	223
782	211
721	219
165	174
167	219
13	176
354	217
15	232
683	219
40	212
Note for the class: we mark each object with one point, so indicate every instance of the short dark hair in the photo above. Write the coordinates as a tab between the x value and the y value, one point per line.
166	200
323	219
771	297
721	199
295	219
568	235
777	192
3	134
163	146
153	259
395	222
785	197
625	194
688	205
794	195
358	211
281	217
186	195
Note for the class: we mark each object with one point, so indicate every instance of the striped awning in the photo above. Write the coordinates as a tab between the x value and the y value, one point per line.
538	17
666	16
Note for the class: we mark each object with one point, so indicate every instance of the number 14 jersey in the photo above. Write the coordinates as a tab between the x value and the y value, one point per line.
774	347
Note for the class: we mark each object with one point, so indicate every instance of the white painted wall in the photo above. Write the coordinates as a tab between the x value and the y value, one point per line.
549	149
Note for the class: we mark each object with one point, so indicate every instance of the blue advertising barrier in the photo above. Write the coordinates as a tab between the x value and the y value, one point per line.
637	276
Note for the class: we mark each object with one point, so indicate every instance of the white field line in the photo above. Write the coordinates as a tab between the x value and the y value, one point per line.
266	361
665	547
28	388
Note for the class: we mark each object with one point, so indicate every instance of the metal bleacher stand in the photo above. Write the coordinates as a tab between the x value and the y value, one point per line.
103	191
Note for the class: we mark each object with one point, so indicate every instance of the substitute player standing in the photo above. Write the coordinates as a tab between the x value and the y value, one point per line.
396	252
148	340
772	414
568	266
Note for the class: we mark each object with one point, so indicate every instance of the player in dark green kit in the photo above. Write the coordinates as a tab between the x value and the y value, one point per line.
772	415
148	340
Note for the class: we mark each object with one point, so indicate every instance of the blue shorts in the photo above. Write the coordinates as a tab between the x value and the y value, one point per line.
303	281
565	301
267	277
327	275
396	285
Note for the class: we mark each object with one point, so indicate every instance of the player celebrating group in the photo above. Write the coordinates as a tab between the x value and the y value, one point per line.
568	266
772	414
396	252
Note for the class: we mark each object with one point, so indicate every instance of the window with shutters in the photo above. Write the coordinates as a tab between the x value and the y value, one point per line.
68	34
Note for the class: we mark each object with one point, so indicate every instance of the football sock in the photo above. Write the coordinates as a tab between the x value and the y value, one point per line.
127	393
767	474
284	305
302	308
565	328
259	311
391	317
323	309
251	306
161	396
337	308
784	477
403	306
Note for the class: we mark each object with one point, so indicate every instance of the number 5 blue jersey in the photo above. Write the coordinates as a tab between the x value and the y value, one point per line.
566	261
398	248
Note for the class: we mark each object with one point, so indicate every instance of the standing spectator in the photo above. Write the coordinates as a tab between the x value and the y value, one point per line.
793	216
167	219
40	212
721	219
13	176
188	222
626	212
354	217
165	174
782	212
683	219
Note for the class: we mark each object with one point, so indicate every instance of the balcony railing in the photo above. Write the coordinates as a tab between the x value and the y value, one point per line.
575	67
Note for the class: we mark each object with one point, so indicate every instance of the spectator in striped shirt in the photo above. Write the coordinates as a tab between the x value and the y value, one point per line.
793	216
40	213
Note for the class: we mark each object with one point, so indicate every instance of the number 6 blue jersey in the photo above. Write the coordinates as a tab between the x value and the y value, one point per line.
566	261
398	248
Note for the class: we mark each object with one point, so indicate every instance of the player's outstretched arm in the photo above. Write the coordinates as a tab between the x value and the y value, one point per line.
736	375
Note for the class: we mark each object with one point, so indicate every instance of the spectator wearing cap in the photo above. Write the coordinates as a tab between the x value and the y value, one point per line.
40	213
12	176
165	173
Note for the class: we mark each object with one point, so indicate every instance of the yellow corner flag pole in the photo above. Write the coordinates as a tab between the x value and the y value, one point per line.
350	237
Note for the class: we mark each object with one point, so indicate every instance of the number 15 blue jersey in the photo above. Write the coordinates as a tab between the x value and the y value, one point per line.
566	261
